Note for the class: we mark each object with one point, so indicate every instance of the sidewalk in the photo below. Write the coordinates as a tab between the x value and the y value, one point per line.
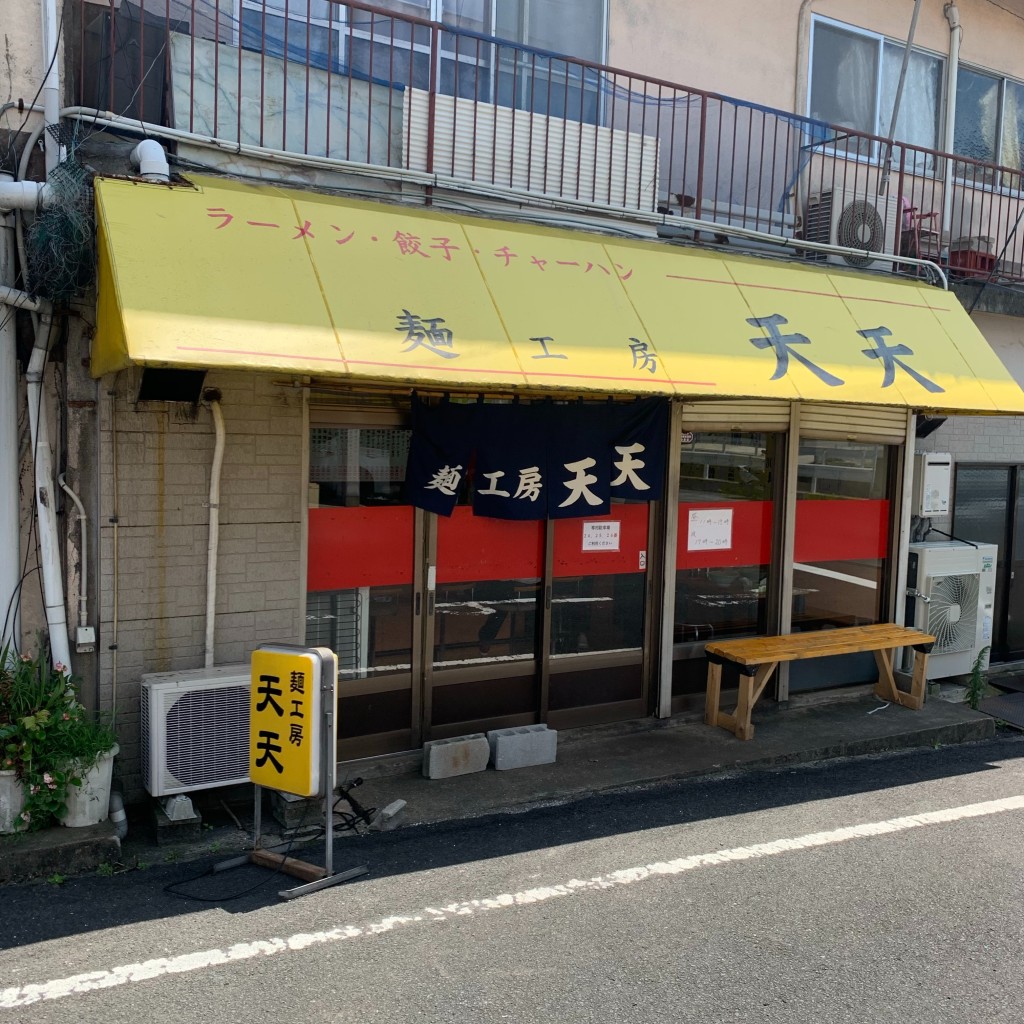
590	761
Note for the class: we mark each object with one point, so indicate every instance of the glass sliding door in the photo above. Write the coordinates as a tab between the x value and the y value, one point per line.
723	577
598	608
841	551
360	582
484	672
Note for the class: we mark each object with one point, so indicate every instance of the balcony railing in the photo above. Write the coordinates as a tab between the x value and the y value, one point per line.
343	83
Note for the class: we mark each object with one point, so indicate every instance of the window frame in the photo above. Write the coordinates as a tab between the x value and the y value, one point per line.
880	40
997	184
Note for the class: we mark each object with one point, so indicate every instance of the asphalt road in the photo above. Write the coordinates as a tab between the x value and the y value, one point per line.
870	890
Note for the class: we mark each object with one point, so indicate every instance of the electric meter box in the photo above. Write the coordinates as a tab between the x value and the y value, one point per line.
933	476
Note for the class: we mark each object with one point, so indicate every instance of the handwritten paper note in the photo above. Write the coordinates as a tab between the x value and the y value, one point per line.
710	529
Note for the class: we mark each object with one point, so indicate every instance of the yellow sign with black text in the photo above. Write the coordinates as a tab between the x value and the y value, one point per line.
285	722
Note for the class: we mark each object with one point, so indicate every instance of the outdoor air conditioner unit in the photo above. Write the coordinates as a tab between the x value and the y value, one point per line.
528	151
857	220
950	594
195	729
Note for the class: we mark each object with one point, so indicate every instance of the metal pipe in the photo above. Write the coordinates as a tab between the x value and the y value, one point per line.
213	397
883	185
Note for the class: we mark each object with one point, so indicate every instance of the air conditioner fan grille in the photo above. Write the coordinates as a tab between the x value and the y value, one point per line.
953	612
208	736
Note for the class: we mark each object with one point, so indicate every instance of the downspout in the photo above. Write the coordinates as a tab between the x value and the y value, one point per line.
13	196
213	397
49	545
952	13
51	83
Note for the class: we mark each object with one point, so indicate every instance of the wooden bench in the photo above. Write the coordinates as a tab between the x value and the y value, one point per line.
759	656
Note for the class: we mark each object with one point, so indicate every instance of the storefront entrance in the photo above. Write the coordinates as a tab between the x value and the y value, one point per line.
448	625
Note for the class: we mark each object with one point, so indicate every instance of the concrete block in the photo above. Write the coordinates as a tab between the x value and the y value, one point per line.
522	747
168	830
293	812
461	755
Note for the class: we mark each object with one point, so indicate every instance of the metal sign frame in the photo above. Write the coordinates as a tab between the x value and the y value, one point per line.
314	876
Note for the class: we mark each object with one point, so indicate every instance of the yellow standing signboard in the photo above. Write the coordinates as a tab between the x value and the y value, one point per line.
286	733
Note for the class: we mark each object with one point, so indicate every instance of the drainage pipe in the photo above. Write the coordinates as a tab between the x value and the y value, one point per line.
213	397
46	512
151	161
51	83
13	195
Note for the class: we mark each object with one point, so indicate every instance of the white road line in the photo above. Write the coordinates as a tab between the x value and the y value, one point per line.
24	995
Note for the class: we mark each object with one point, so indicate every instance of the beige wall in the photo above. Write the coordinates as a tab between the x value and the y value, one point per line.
21	58
750	50
163	472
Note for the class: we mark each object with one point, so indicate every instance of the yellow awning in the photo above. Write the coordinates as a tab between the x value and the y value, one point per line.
240	276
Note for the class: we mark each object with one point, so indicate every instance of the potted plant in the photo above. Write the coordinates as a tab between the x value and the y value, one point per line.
51	744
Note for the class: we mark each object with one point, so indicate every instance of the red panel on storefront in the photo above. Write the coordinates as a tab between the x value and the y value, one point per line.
571	560
360	547
471	548
366	547
833	531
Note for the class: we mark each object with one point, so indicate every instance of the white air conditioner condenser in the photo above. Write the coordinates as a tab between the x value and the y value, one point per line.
195	729
951	594
854	219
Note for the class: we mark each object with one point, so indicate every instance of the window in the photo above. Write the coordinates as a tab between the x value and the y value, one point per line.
854	77
989	122
305	31
382	46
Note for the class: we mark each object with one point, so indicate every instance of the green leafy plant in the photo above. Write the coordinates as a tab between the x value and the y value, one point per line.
46	736
105	870
56	879
976	680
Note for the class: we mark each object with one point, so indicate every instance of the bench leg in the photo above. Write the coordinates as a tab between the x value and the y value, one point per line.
751	688
713	697
919	680
887	689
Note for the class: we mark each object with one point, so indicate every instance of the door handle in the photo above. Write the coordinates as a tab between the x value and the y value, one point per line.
416	609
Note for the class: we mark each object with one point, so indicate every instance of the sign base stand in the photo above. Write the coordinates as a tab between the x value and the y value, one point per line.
313	876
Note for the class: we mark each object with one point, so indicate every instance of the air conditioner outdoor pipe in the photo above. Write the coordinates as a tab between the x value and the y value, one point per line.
83	583
213	397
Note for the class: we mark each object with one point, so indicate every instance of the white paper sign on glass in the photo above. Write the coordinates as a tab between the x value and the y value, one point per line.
710	529
603	536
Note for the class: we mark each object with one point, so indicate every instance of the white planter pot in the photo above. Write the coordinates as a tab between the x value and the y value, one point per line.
12	800
88	804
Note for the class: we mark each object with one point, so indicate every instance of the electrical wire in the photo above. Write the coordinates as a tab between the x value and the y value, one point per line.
172	888
39	91
349	822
